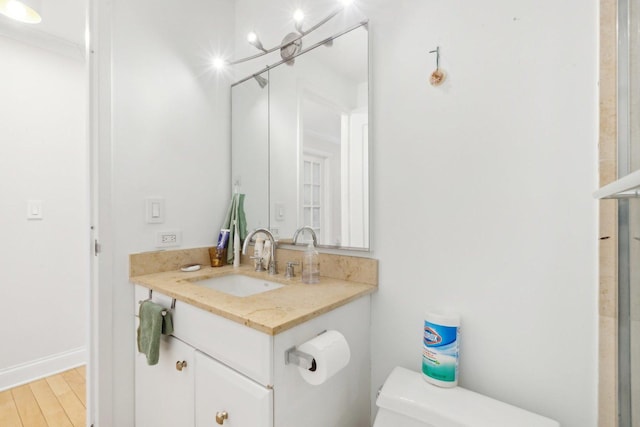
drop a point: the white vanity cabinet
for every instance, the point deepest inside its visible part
(223, 395)
(240, 372)
(189, 388)
(165, 392)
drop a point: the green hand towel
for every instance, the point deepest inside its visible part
(235, 216)
(152, 325)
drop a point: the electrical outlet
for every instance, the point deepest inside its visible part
(166, 239)
(34, 209)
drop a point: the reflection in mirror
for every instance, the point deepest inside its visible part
(319, 143)
(310, 147)
(250, 147)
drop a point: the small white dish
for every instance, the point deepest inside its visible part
(190, 267)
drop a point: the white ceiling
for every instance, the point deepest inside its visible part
(65, 19)
(61, 19)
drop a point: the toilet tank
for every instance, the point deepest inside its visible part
(407, 400)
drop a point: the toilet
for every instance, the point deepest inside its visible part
(406, 400)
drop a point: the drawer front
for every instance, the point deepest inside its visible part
(225, 397)
(240, 347)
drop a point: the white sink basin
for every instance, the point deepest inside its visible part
(238, 285)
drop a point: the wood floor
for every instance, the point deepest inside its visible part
(56, 401)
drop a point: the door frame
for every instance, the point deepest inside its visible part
(100, 364)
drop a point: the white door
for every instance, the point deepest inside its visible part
(225, 397)
(355, 180)
(164, 392)
(315, 205)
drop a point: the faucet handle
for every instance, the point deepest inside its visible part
(290, 269)
(258, 262)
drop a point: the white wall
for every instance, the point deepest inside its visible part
(43, 156)
(481, 189)
(170, 139)
(482, 194)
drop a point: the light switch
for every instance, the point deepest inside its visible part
(34, 209)
(279, 211)
(154, 210)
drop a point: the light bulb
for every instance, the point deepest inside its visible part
(298, 16)
(16, 10)
(218, 63)
(253, 40)
(346, 3)
(20, 11)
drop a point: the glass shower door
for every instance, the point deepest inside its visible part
(629, 326)
(629, 157)
(629, 214)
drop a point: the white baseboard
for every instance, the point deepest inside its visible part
(40, 368)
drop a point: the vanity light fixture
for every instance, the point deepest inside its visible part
(298, 18)
(261, 81)
(253, 40)
(218, 63)
(290, 46)
(26, 11)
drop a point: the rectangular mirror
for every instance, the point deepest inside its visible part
(311, 147)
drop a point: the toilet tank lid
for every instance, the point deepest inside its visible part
(405, 392)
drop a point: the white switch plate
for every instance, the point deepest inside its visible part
(166, 239)
(279, 211)
(154, 212)
(34, 209)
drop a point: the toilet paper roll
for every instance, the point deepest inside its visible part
(331, 353)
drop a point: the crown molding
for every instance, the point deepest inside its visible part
(27, 34)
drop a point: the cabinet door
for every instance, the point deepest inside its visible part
(164, 394)
(220, 390)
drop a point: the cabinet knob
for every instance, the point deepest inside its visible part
(181, 365)
(221, 416)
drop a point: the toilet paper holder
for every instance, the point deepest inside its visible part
(299, 358)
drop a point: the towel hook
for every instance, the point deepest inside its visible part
(438, 76)
(437, 52)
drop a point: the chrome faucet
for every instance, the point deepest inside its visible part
(300, 230)
(273, 267)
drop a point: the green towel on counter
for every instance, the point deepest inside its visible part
(152, 325)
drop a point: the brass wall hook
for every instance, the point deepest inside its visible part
(438, 76)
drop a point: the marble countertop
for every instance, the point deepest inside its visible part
(270, 312)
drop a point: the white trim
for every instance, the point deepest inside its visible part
(40, 39)
(40, 368)
(100, 372)
(326, 137)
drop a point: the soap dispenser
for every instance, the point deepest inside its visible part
(311, 265)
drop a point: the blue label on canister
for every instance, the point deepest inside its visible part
(440, 352)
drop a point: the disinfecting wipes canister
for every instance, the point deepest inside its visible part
(440, 349)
